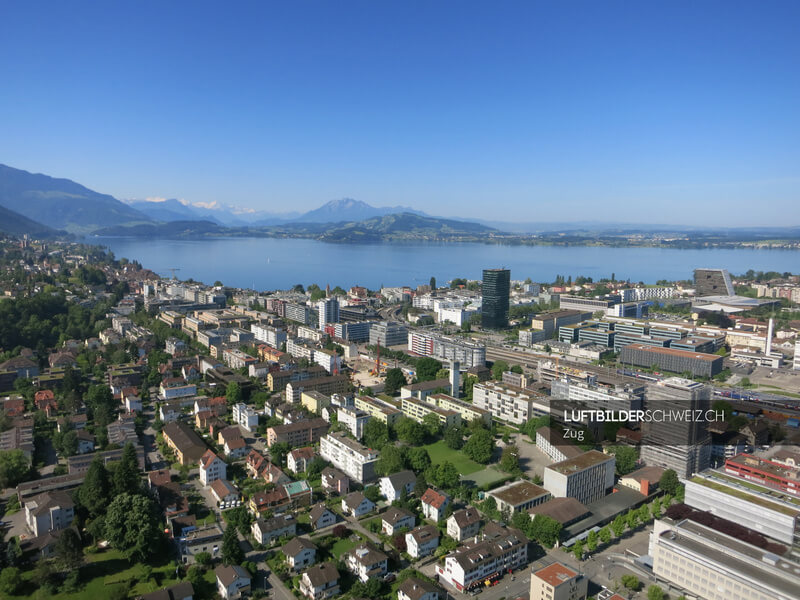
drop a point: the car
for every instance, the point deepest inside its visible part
(389, 577)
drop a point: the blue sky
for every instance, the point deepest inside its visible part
(671, 112)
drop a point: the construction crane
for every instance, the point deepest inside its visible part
(173, 271)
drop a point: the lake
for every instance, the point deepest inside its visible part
(269, 263)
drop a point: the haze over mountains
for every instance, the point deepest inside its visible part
(41, 203)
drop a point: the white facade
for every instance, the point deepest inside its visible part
(354, 419)
(587, 477)
(422, 541)
(508, 403)
(466, 352)
(353, 459)
(212, 468)
(245, 416)
(271, 336)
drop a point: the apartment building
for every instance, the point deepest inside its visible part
(414, 409)
(354, 420)
(553, 444)
(464, 524)
(245, 416)
(354, 459)
(422, 541)
(272, 336)
(49, 511)
(366, 562)
(315, 401)
(334, 384)
(587, 477)
(300, 433)
(468, 412)
(509, 403)
(387, 334)
(320, 581)
(183, 440)
(558, 582)
(212, 467)
(499, 550)
(379, 409)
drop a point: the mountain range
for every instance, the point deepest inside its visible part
(46, 205)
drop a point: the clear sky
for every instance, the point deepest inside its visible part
(668, 112)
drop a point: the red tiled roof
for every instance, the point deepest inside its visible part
(433, 498)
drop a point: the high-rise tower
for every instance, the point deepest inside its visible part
(496, 289)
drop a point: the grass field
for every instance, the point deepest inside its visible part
(439, 452)
(105, 571)
(342, 546)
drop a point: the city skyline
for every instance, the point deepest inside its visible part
(519, 112)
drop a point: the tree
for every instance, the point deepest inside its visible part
(443, 475)
(480, 446)
(432, 424)
(669, 482)
(577, 549)
(408, 430)
(498, 367)
(517, 369)
(394, 381)
(372, 493)
(203, 558)
(95, 491)
(126, 476)
(69, 550)
(376, 434)
(427, 368)
(14, 468)
(654, 592)
(232, 553)
(626, 458)
(521, 520)
(10, 580)
(233, 394)
(605, 535)
(631, 582)
(618, 525)
(418, 459)
(591, 541)
(632, 519)
(391, 460)
(421, 485)
(132, 526)
(454, 437)
(13, 552)
(278, 452)
(509, 461)
(545, 530)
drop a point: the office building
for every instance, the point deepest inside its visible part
(712, 565)
(494, 298)
(683, 445)
(713, 282)
(519, 496)
(328, 310)
(774, 515)
(467, 353)
(388, 333)
(551, 322)
(668, 359)
(588, 477)
(777, 476)
(583, 303)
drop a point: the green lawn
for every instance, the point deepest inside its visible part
(342, 546)
(439, 452)
(103, 572)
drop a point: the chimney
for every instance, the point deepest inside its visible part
(455, 375)
(768, 347)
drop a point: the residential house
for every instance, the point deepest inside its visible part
(357, 504)
(300, 553)
(45, 400)
(321, 516)
(434, 504)
(320, 581)
(170, 411)
(414, 588)
(422, 541)
(298, 459)
(255, 464)
(85, 441)
(464, 524)
(274, 474)
(179, 591)
(397, 518)
(76, 422)
(235, 447)
(202, 539)
(393, 486)
(49, 511)
(212, 467)
(267, 531)
(366, 562)
(224, 491)
(232, 581)
(335, 482)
